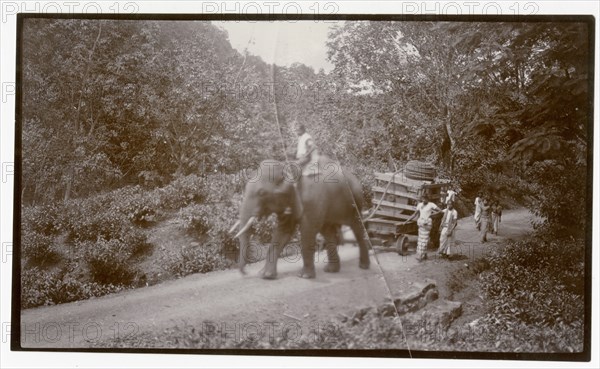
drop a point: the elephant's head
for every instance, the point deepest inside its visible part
(268, 190)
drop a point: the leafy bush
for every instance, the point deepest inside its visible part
(104, 230)
(43, 219)
(139, 206)
(40, 288)
(38, 248)
(561, 201)
(85, 222)
(110, 215)
(195, 258)
(108, 261)
(537, 281)
(181, 192)
(195, 219)
(221, 187)
(90, 219)
(534, 298)
(212, 219)
(136, 241)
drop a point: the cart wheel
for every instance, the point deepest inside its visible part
(402, 245)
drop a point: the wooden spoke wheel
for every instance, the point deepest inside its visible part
(402, 245)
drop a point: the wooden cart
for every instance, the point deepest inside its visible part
(395, 199)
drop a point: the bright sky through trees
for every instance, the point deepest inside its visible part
(283, 42)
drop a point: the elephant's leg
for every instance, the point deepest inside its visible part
(308, 239)
(363, 243)
(281, 236)
(330, 233)
(339, 234)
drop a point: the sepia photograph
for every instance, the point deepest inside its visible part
(359, 185)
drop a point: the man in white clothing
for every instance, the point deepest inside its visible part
(425, 210)
(305, 144)
(477, 215)
(449, 221)
(450, 195)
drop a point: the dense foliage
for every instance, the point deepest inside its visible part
(537, 282)
(127, 125)
(40, 287)
(486, 100)
(91, 246)
(122, 102)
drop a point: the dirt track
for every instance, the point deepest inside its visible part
(227, 297)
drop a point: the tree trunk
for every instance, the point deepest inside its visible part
(447, 146)
(78, 126)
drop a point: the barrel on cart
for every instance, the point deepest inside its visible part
(395, 199)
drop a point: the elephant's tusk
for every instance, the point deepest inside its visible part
(234, 226)
(246, 227)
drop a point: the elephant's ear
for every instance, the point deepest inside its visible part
(296, 203)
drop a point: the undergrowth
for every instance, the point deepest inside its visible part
(104, 235)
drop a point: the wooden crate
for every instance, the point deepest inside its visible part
(381, 226)
(403, 190)
(391, 228)
(405, 187)
(395, 198)
(398, 211)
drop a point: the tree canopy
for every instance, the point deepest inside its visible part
(500, 106)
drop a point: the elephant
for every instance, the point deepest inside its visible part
(320, 197)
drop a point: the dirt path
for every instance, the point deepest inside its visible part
(233, 301)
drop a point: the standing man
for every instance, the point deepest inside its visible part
(449, 221)
(425, 210)
(450, 196)
(496, 217)
(477, 215)
(484, 219)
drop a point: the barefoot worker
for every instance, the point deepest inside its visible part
(425, 210)
(449, 221)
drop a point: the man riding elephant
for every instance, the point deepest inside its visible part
(305, 145)
(319, 200)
